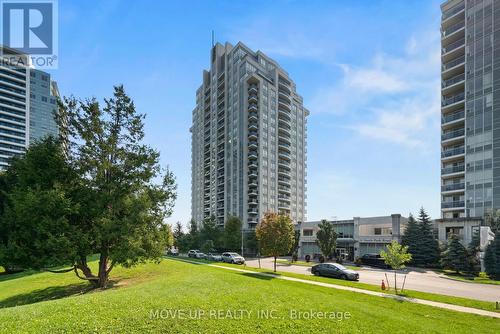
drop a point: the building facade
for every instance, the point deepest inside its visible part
(355, 237)
(28, 100)
(14, 105)
(470, 182)
(43, 104)
(248, 139)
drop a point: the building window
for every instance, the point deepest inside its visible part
(378, 231)
(307, 233)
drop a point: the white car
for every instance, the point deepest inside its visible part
(200, 255)
(233, 258)
(193, 252)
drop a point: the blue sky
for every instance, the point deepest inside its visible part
(368, 71)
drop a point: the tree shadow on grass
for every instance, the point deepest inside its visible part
(8, 276)
(50, 293)
(267, 276)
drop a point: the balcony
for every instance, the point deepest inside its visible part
(448, 118)
(253, 127)
(283, 172)
(252, 144)
(453, 46)
(284, 180)
(253, 99)
(447, 101)
(252, 155)
(452, 63)
(252, 192)
(453, 11)
(285, 87)
(253, 117)
(453, 187)
(452, 170)
(252, 90)
(452, 81)
(252, 135)
(252, 211)
(453, 28)
(454, 204)
(252, 107)
(452, 134)
(452, 152)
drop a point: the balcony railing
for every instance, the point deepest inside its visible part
(452, 117)
(454, 10)
(452, 169)
(451, 29)
(452, 152)
(453, 99)
(454, 80)
(452, 134)
(453, 46)
(453, 63)
(454, 186)
(455, 204)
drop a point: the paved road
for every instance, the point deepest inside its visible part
(421, 280)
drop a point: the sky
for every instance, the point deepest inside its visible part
(368, 71)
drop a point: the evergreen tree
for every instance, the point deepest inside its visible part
(193, 237)
(210, 231)
(232, 234)
(411, 237)
(428, 247)
(473, 265)
(455, 257)
(178, 234)
(492, 258)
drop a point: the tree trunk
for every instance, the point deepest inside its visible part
(103, 273)
(395, 284)
(275, 264)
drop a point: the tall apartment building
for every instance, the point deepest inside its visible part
(27, 103)
(14, 105)
(43, 103)
(248, 139)
(470, 156)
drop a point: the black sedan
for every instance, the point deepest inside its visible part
(374, 260)
(334, 270)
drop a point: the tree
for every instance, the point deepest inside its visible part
(168, 236)
(193, 237)
(232, 234)
(492, 219)
(326, 238)
(110, 200)
(411, 238)
(178, 233)
(473, 249)
(492, 258)
(396, 256)
(296, 245)
(207, 247)
(36, 209)
(427, 252)
(210, 231)
(275, 234)
(455, 257)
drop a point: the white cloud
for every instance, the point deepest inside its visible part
(396, 97)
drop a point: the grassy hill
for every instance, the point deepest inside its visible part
(47, 303)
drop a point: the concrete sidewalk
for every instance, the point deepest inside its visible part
(357, 290)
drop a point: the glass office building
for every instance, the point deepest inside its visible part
(248, 139)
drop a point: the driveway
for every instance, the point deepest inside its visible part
(417, 279)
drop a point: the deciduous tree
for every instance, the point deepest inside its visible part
(396, 256)
(275, 234)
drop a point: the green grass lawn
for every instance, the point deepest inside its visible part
(469, 279)
(49, 303)
(310, 264)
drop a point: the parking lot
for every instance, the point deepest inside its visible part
(417, 279)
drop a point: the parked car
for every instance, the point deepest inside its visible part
(233, 258)
(334, 270)
(214, 257)
(173, 251)
(193, 252)
(200, 255)
(374, 260)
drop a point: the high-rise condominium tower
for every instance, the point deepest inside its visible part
(248, 139)
(27, 105)
(470, 89)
